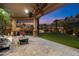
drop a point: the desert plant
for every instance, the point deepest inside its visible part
(4, 19)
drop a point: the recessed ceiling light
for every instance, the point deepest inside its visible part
(26, 11)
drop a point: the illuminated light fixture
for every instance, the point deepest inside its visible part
(26, 11)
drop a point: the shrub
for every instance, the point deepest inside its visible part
(69, 31)
(77, 32)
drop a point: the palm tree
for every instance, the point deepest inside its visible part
(56, 25)
(45, 27)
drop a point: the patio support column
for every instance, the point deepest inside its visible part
(35, 30)
(13, 26)
(38, 26)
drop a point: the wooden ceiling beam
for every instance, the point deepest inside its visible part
(50, 7)
(53, 7)
(22, 18)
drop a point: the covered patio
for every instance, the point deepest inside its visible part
(29, 14)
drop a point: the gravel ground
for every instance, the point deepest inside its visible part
(40, 47)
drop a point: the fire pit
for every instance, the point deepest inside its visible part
(23, 40)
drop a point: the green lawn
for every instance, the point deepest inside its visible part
(65, 39)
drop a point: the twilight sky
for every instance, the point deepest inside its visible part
(68, 10)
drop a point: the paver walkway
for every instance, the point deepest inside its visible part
(41, 47)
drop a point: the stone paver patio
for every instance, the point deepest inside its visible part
(41, 47)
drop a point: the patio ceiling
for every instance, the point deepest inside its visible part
(17, 9)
